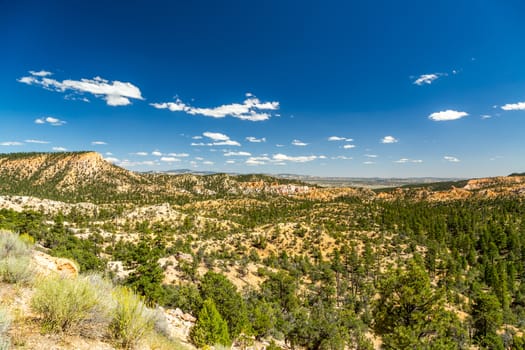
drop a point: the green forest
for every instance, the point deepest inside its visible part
(435, 275)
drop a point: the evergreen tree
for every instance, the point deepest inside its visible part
(210, 328)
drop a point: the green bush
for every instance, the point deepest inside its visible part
(132, 320)
(5, 323)
(69, 305)
(15, 269)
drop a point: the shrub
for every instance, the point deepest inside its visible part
(5, 322)
(12, 246)
(15, 269)
(69, 305)
(132, 320)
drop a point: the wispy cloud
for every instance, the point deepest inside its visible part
(112, 160)
(255, 139)
(50, 120)
(251, 109)
(237, 154)
(42, 73)
(98, 143)
(218, 139)
(349, 146)
(427, 79)
(299, 159)
(115, 93)
(514, 106)
(156, 153)
(407, 160)
(486, 116)
(11, 143)
(342, 158)
(299, 143)
(179, 155)
(447, 115)
(369, 162)
(59, 149)
(169, 159)
(339, 138)
(371, 155)
(142, 154)
(451, 159)
(126, 163)
(37, 141)
(389, 139)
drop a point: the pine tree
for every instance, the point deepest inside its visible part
(210, 328)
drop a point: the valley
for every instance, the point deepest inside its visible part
(287, 264)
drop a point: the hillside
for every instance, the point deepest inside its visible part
(87, 177)
(286, 263)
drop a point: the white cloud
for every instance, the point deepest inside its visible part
(514, 106)
(142, 154)
(11, 143)
(299, 143)
(37, 141)
(447, 115)
(112, 159)
(300, 159)
(451, 159)
(208, 162)
(199, 158)
(179, 155)
(486, 116)
(98, 143)
(156, 153)
(348, 146)
(251, 109)
(368, 162)
(257, 160)
(230, 161)
(339, 138)
(42, 73)
(407, 160)
(371, 155)
(216, 136)
(198, 137)
(169, 159)
(342, 158)
(237, 154)
(109, 154)
(59, 149)
(256, 140)
(130, 164)
(116, 93)
(427, 78)
(218, 140)
(389, 139)
(50, 120)
(279, 145)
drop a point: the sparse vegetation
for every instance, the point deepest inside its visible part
(5, 323)
(70, 305)
(131, 319)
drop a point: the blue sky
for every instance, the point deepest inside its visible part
(331, 88)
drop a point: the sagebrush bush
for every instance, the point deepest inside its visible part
(132, 320)
(12, 246)
(5, 323)
(16, 269)
(70, 305)
(15, 264)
